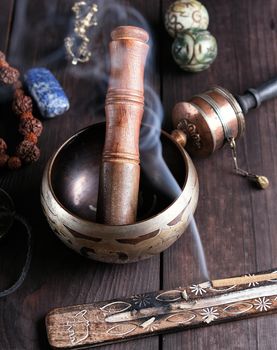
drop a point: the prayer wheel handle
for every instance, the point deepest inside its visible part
(253, 98)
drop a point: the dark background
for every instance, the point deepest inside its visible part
(236, 221)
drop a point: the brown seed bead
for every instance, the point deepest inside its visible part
(28, 152)
(26, 115)
(17, 85)
(3, 63)
(8, 75)
(31, 125)
(3, 146)
(3, 160)
(32, 138)
(18, 91)
(14, 163)
(22, 104)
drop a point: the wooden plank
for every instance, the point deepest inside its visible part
(58, 276)
(231, 215)
(6, 9)
(236, 221)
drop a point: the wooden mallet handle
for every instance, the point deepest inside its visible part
(120, 169)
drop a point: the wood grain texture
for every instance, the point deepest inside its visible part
(6, 9)
(120, 169)
(58, 276)
(237, 222)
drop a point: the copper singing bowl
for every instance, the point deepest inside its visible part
(69, 199)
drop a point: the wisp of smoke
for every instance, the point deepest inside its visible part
(110, 16)
(156, 169)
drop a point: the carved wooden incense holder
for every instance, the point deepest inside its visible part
(160, 312)
(120, 170)
(215, 118)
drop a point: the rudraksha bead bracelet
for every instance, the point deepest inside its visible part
(29, 127)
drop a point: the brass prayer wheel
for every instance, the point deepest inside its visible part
(208, 120)
(215, 118)
(212, 118)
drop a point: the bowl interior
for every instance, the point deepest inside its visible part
(75, 175)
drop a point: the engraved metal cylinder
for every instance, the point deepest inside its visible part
(209, 120)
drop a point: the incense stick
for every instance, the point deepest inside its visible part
(243, 280)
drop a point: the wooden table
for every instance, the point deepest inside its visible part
(236, 221)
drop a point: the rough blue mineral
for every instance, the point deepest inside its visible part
(47, 92)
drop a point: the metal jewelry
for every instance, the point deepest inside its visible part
(261, 181)
(77, 45)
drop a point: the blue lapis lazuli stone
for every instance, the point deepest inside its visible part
(47, 92)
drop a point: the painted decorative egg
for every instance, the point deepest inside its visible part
(194, 50)
(185, 14)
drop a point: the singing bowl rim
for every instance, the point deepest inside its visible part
(175, 208)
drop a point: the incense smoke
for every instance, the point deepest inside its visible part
(95, 76)
(155, 167)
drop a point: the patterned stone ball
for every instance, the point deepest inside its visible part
(194, 50)
(185, 14)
